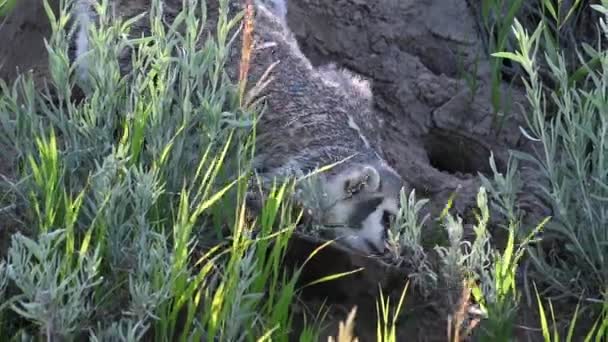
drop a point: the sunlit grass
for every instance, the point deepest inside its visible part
(135, 223)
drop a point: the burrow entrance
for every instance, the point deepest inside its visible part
(454, 153)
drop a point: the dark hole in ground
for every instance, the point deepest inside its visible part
(451, 152)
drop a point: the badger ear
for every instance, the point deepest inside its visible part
(276, 7)
(365, 178)
(352, 83)
(358, 84)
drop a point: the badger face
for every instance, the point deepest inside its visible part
(365, 202)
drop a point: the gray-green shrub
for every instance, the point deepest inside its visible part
(570, 154)
(128, 192)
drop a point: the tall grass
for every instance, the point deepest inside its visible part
(497, 17)
(597, 332)
(566, 123)
(387, 329)
(566, 24)
(6, 6)
(570, 154)
(126, 193)
(567, 126)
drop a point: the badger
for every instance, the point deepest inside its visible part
(312, 117)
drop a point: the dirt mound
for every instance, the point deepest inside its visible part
(438, 127)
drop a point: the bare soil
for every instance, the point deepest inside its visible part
(438, 131)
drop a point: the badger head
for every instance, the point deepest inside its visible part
(362, 202)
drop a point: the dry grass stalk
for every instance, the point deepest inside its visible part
(247, 47)
(460, 316)
(346, 329)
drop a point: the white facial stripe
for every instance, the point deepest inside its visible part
(373, 230)
(352, 124)
(391, 205)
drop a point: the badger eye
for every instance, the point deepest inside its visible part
(388, 219)
(352, 189)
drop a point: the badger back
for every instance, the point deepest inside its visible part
(312, 117)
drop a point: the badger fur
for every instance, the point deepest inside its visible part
(313, 117)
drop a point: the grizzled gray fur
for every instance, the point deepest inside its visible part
(313, 117)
